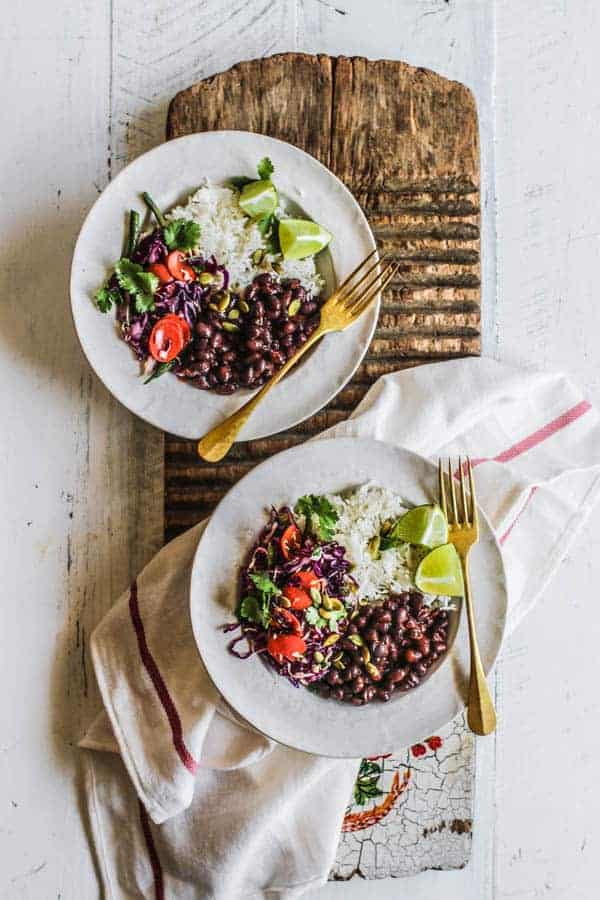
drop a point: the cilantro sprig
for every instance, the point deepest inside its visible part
(139, 284)
(265, 169)
(256, 607)
(181, 234)
(106, 297)
(321, 516)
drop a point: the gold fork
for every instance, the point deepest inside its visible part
(345, 305)
(463, 532)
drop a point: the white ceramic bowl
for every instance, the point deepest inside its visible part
(169, 173)
(296, 716)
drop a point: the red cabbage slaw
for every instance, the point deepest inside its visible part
(327, 561)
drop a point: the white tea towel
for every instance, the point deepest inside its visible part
(205, 807)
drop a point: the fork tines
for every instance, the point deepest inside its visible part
(462, 510)
(357, 295)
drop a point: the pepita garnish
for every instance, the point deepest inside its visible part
(318, 656)
(332, 639)
(325, 613)
(258, 256)
(233, 314)
(283, 601)
(206, 278)
(294, 307)
(356, 640)
(372, 670)
(223, 302)
(366, 655)
(339, 664)
(315, 596)
(243, 306)
(229, 326)
(214, 307)
(373, 546)
(327, 603)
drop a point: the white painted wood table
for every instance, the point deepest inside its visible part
(84, 89)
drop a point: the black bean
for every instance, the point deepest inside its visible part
(368, 693)
(338, 693)
(384, 695)
(379, 651)
(356, 671)
(424, 646)
(372, 635)
(203, 329)
(224, 374)
(358, 685)
(412, 656)
(333, 677)
(357, 701)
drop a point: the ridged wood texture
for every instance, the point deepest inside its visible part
(405, 141)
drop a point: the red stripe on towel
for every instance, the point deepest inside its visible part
(157, 680)
(159, 887)
(542, 434)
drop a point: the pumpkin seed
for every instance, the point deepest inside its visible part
(335, 604)
(206, 278)
(373, 546)
(315, 596)
(331, 640)
(229, 326)
(365, 654)
(233, 314)
(258, 256)
(283, 601)
(294, 307)
(373, 671)
(318, 656)
(277, 267)
(214, 307)
(243, 306)
(325, 613)
(338, 657)
(223, 301)
(327, 601)
(356, 640)
(339, 664)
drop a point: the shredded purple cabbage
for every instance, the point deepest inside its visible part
(150, 249)
(327, 560)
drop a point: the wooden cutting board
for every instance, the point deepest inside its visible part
(405, 141)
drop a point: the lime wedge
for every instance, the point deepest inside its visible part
(422, 525)
(300, 238)
(440, 572)
(258, 199)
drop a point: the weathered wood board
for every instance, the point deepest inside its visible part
(405, 141)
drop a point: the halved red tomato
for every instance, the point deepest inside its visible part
(308, 580)
(297, 596)
(178, 267)
(290, 541)
(161, 272)
(289, 618)
(168, 338)
(286, 646)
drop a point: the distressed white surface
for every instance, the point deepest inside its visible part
(84, 88)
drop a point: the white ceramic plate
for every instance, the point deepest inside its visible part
(169, 173)
(296, 716)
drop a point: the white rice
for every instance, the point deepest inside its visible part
(362, 512)
(232, 238)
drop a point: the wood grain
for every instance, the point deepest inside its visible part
(405, 141)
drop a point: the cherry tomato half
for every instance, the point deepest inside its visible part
(168, 338)
(290, 619)
(297, 597)
(286, 646)
(290, 541)
(308, 580)
(178, 267)
(161, 272)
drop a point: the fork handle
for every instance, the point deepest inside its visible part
(217, 442)
(481, 714)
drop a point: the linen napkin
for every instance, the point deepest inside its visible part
(186, 800)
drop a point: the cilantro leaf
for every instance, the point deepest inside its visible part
(141, 285)
(105, 297)
(265, 169)
(181, 234)
(249, 609)
(321, 516)
(265, 585)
